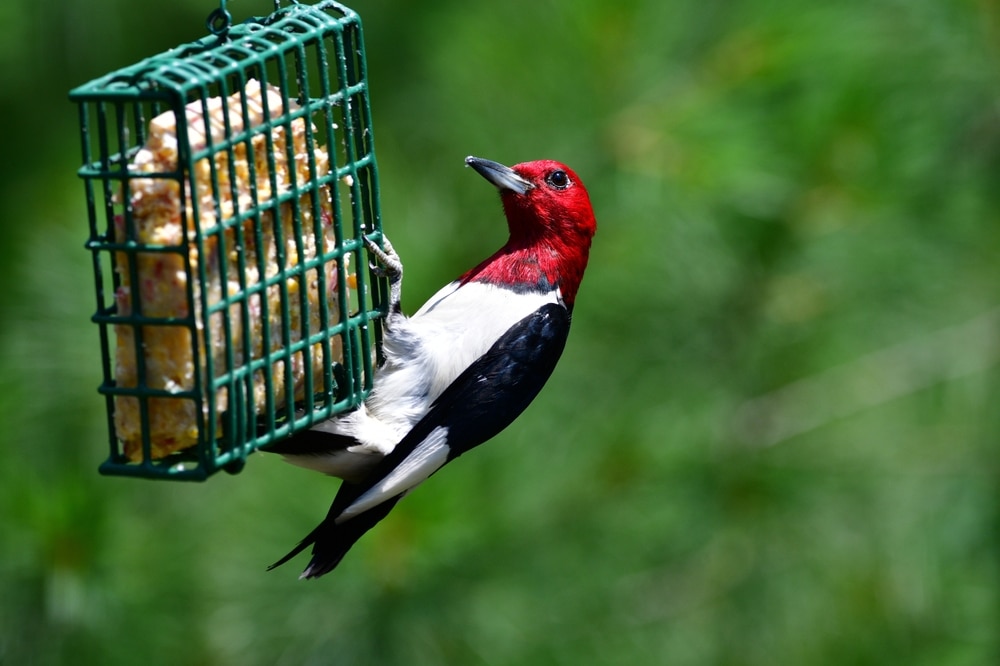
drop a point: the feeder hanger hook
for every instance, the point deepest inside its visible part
(220, 20)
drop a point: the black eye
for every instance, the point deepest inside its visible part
(558, 179)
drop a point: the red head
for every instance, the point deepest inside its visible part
(551, 224)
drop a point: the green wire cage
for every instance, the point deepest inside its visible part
(229, 184)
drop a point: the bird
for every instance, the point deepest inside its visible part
(463, 367)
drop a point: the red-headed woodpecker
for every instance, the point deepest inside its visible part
(463, 367)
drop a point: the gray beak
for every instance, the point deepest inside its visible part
(501, 176)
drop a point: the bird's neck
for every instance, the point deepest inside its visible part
(535, 265)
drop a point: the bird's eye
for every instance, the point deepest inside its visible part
(558, 179)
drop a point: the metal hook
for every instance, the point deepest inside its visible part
(219, 21)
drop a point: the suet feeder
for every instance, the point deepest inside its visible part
(229, 184)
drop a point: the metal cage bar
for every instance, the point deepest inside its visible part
(254, 224)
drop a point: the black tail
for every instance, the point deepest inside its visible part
(331, 540)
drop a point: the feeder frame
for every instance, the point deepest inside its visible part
(295, 49)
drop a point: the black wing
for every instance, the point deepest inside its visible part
(310, 443)
(480, 403)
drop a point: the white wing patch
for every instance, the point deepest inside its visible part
(427, 458)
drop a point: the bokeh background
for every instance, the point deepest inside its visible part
(773, 438)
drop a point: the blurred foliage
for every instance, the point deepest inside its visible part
(773, 436)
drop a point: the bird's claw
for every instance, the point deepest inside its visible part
(389, 264)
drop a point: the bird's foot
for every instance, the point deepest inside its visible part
(389, 266)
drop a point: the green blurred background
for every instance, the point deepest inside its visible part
(772, 438)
